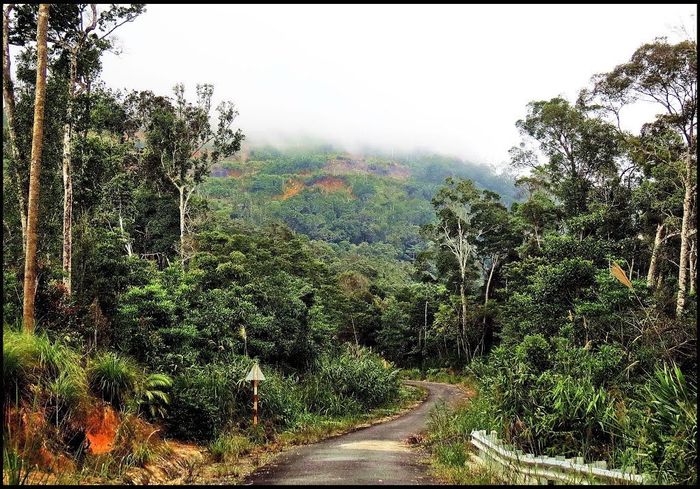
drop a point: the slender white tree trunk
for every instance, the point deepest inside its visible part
(68, 176)
(685, 238)
(127, 244)
(8, 95)
(494, 262)
(182, 207)
(651, 275)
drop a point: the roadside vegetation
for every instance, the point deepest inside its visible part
(71, 419)
(584, 343)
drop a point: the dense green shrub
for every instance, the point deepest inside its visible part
(206, 400)
(280, 399)
(113, 377)
(143, 312)
(151, 394)
(355, 380)
(447, 424)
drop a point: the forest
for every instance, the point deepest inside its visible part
(151, 255)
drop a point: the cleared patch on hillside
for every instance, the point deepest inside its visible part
(325, 184)
(359, 165)
(291, 188)
(332, 184)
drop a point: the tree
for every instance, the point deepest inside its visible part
(83, 50)
(496, 238)
(581, 150)
(539, 212)
(37, 135)
(8, 96)
(453, 204)
(78, 36)
(666, 75)
(181, 138)
(659, 195)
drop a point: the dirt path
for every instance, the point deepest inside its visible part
(374, 455)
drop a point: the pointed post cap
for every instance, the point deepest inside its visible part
(255, 373)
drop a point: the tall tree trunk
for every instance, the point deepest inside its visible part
(68, 175)
(127, 242)
(464, 318)
(354, 332)
(494, 262)
(425, 332)
(683, 258)
(8, 95)
(182, 208)
(692, 259)
(34, 169)
(651, 275)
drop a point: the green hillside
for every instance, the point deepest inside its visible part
(335, 196)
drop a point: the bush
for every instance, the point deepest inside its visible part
(355, 380)
(68, 391)
(534, 352)
(151, 394)
(206, 400)
(457, 423)
(280, 399)
(142, 313)
(113, 378)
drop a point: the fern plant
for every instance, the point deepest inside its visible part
(151, 395)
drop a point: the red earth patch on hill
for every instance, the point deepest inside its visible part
(291, 188)
(332, 184)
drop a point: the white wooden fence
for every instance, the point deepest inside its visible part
(524, 468)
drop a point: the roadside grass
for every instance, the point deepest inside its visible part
(448, 434)
(468, 474)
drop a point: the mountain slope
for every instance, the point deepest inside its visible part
(337, 197)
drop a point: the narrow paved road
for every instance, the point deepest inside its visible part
(374, 455)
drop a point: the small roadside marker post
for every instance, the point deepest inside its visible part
(256, 376)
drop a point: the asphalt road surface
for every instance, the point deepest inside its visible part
(373, 455)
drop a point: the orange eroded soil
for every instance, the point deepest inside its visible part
(332, 184)
(101, 429)
(291, 188)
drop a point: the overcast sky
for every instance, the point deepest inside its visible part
(449, 78)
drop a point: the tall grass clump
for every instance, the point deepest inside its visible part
(15, 468)
(281, 399)
(354, 381)
(33, 359)
(672, 425)
(113, 378)
(449, 435)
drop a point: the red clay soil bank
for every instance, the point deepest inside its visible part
(101, 430)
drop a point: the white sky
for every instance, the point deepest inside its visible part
(449, 78)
